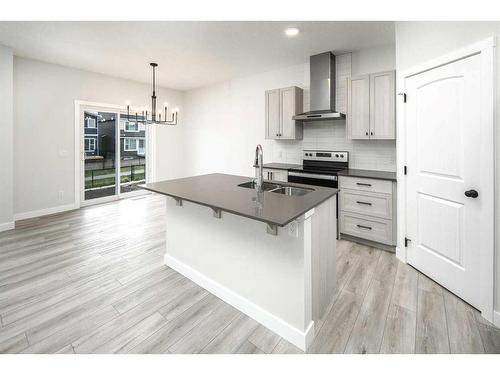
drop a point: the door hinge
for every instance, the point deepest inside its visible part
(405, 170)
(406, 241)
(404, 96)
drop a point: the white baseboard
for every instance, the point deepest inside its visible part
(496, 318)
(6, 226)
(298, 338)
(401, 254)
(45, 211)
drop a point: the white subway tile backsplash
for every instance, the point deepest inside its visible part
(378, 155)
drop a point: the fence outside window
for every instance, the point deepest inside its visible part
(99, 178)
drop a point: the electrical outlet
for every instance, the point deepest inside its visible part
(61, 195)
(293, 229)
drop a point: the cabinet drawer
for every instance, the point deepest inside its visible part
(371, 204)
(378, 230)
(366, 184)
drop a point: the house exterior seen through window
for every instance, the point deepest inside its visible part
(131, 126)
(130, 144)
(90, 144)
(90, 122)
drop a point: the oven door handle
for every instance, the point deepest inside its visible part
(314, 176)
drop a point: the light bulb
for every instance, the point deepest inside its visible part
(292, 31)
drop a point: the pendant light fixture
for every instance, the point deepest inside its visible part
(155, 117)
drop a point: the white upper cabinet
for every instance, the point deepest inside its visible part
(272, 113)
(358, 107)
(281, 106)
(382, 105)
(371, 106)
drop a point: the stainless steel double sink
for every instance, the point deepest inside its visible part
(278, 188)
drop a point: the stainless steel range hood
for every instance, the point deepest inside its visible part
(322, 92)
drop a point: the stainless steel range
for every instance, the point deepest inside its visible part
(320, 167)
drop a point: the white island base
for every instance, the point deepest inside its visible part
(286, 281)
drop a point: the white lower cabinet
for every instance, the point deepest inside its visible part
(371, 204)
(362, 226)
(366, 209)
(275, 174)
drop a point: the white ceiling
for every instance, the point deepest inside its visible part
(189, 54)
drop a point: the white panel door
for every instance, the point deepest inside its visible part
(382, 105)
(358, 107)
(443, 158)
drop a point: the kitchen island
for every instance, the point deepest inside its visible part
(270, 253)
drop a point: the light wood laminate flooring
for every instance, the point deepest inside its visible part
(93, 281)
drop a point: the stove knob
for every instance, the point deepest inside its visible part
(336, 155)
(342, 155)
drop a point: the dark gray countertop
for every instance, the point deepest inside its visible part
(283, 166)
(221, 191)
(366, 173)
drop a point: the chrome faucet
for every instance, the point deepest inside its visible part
(258, 165)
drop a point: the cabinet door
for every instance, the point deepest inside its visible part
(275, 174)
(273, 114)
(382, 105)
(280, 175)
(358, 107)
(287, 97)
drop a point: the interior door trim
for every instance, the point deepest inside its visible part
(489, 236)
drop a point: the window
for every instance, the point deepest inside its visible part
(89, 144)
(141, 150)
(131, 126)
(130, 144)
(90, 122)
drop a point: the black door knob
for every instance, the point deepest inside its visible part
(471, 193)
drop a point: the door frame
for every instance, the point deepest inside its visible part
(80, 106)
(486, 50)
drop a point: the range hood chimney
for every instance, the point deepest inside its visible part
(322, 91)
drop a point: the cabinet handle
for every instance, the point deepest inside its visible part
(366, 133)
(277, 135)
(271, 177)
(365, 203)
(371, 133)
(363, 184)
(364, 227)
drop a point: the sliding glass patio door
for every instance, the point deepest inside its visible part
(132, 153)
(114, 154)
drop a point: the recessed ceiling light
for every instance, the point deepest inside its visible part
(292, 31)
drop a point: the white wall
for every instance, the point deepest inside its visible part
(224, 122)
(371, 60)
(417, 42)
(6, 137)
(44, 96)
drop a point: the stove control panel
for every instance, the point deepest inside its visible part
(325, 155)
